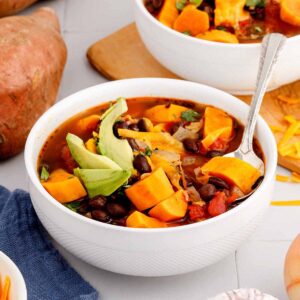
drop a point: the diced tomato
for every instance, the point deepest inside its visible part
(196, 212)
(217, 205)
(68, 159)
(232, 198)
(219, 144)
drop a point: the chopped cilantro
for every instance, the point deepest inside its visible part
(196, 2)
(256, 3)
(186, 33)
(221, 28)
(257, 29)
(180, 4)
(148, 151)
(73, 205)
(44, 174)
(190, 115)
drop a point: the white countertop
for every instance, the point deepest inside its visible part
(257, 263)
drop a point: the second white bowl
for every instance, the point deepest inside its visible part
(230, 67)
(17, 287)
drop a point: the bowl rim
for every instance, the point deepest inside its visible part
(17, 275)
(140, 5)
(31, 167)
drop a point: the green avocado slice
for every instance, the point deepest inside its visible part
(116, 149)
(85, 158)
(102, 181)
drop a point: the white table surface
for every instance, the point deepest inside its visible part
(257, 263)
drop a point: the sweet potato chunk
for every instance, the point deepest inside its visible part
(168, 13)
(91, 145)
(139, 220)
(230, 12)
(172, 208)
(64, 187)
(290, 12)
(215, 119)
(217, 125)
(150, 191)
(232, 170)
(220, 36)
(165, 113)
(87, 124)
(192, 20)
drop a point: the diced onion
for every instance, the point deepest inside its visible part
(183, 133)
(188, 160)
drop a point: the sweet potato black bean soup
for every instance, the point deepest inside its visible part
(147, 163)
(228, 21)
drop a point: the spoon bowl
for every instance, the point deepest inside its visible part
(271, 46)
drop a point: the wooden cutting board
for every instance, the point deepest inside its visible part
(123, 55)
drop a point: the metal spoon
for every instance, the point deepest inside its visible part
(271, 46)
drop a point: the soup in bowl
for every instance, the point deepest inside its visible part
(153, 200)
(222, 46)
(148, 163)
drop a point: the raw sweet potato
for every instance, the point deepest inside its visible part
(10, 7)
(32, 56)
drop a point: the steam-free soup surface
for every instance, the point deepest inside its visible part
(169, 170)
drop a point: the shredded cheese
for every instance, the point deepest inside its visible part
(290, 119)
(289, 100)
(295, 177)
(286, 203)
(282, 178)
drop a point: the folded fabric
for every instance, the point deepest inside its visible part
(22, 237)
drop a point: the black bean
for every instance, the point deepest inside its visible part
(157, 3)
(134, 127)
(97, 202)
(100, 215)
(142, 125)
(215, 153)
(117, 209)
(150, 8)
(207, 191)
(191, 145)
(83, 208)
(133, 144)
(119, 125)
(218, 182)
(141, 164)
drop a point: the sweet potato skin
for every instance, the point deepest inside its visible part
(10, 7)
(33, 56)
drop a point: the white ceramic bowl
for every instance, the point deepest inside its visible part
(147, 252)
(230, 67)
(8, 268)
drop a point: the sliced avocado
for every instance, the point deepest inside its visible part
(116, 149)
(102, 181)
(85, 158)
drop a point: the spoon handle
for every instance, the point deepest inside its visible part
(271, 46)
